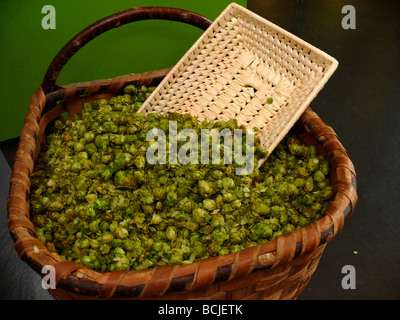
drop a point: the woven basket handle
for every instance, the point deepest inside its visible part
(115, 21)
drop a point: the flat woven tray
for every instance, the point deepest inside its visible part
(244, 67)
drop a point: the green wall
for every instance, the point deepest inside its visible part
(27, 49)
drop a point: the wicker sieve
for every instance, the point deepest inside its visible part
(244, 67)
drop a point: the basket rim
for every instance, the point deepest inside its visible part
(163, 279)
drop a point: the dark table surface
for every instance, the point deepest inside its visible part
(361, 102)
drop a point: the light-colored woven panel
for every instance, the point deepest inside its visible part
(245, 68)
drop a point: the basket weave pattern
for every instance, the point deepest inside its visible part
(279, 269)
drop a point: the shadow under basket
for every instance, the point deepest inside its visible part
(278, 269)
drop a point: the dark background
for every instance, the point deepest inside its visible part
(361, 102)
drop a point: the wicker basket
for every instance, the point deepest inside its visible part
(279, 269)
